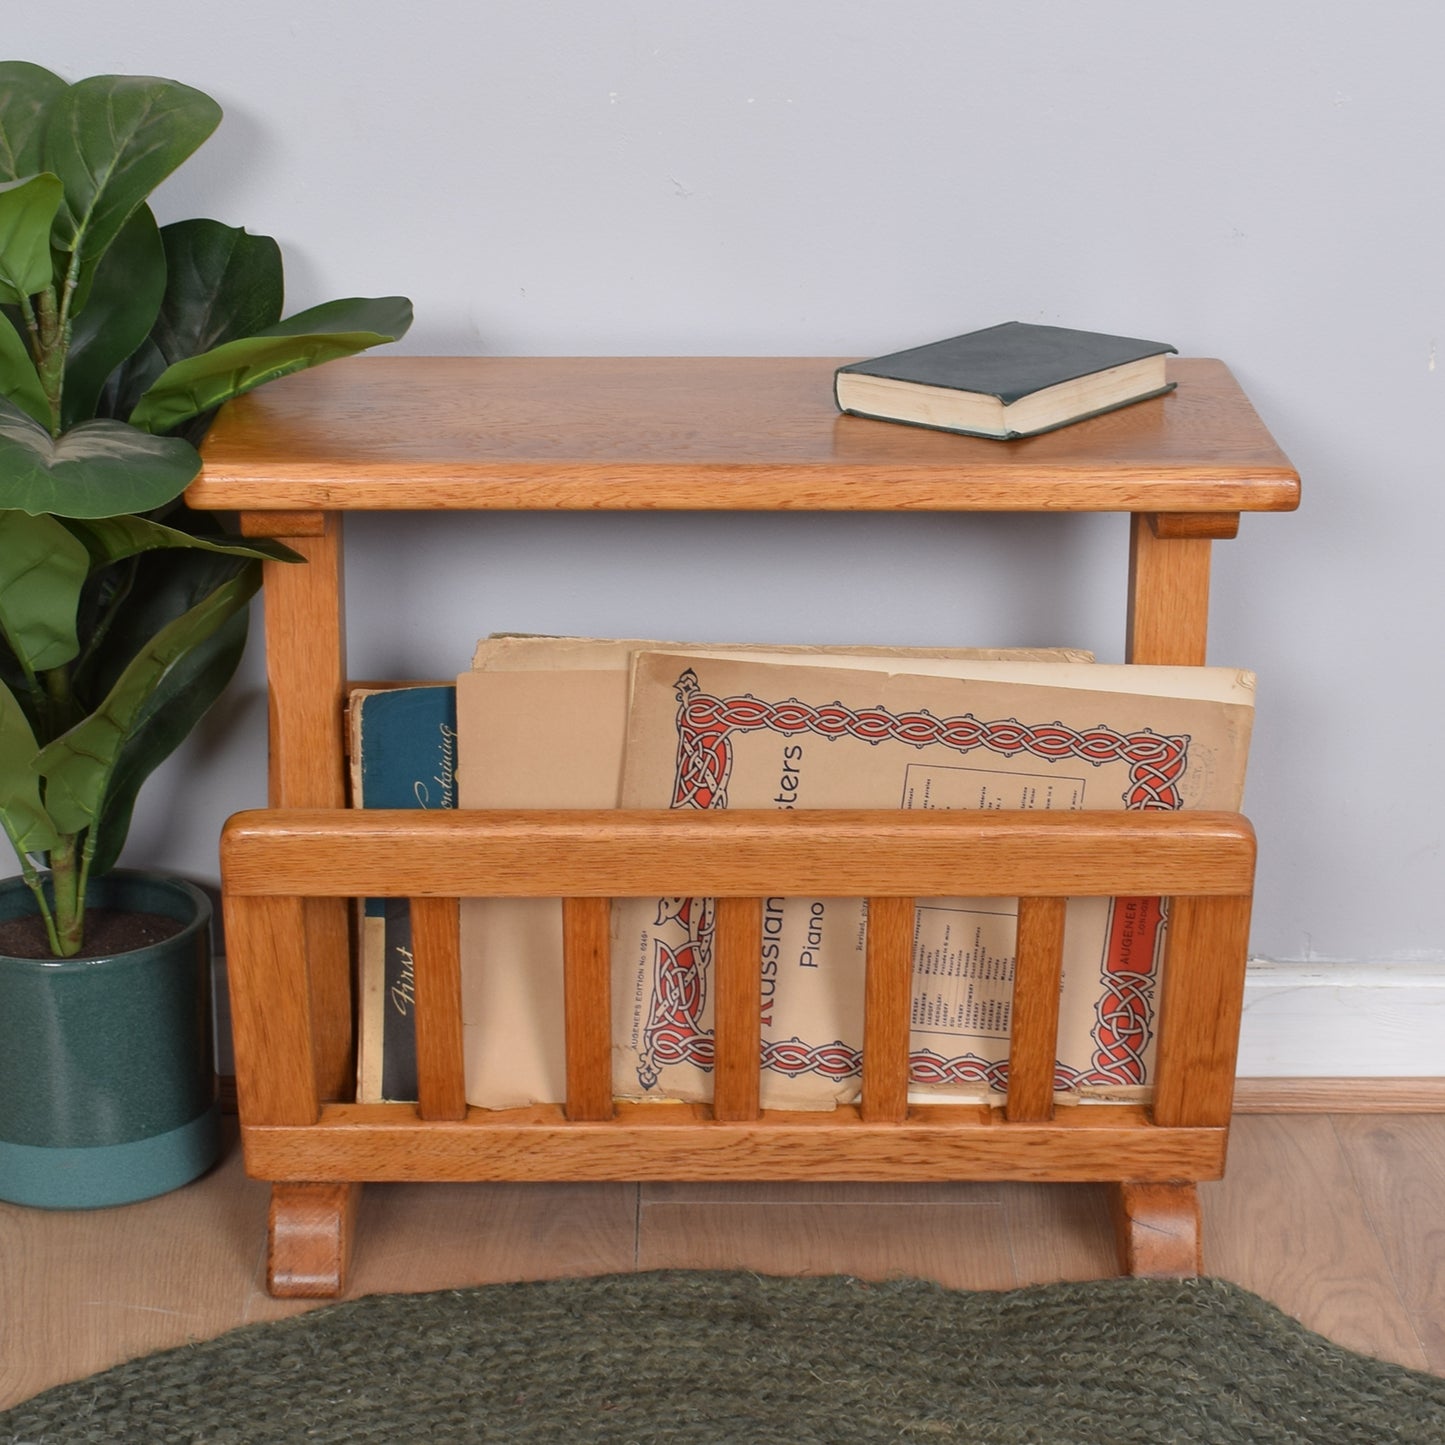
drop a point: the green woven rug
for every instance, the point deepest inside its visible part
(694, 1358)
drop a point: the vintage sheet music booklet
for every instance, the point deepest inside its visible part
(548, 722)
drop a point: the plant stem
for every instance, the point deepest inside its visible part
(59, 699)
(36, 885)
(32, 325)
(67, 877)
(53, 339)
(69, 867)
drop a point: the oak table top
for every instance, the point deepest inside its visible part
(707, 433)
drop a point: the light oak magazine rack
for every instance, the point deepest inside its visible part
(708, 434)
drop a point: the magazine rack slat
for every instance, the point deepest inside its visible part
(437, 1016)
(887, 999)
(737, 1014)
(587, 1006)
(1034, 1019)
(707, 434)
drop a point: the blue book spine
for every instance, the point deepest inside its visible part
(406, 741)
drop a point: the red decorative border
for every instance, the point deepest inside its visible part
(704, 724)
(1123, 1016)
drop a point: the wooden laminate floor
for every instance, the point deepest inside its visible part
(1338, 1219)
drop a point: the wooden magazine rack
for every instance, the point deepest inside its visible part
(707, 434)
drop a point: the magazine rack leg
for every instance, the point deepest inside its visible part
(1157, 1227)
(311, 1230)
(306, 680)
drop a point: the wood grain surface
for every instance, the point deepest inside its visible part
(710, 433)
(738, 852)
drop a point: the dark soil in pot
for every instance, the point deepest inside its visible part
(108, 931)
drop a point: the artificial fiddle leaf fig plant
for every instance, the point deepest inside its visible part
(122, 613)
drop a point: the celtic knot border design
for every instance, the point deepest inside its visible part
(1157, 762)
(1123, 1015)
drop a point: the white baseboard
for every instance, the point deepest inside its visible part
(1340, 1020)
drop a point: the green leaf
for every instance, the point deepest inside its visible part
(78, 765)
(222, 284)
(339, 328)
(388, 316)
(156, 588)
(28, 826)
(125, 298)
(19, 381)
(182, 699)
(126, 384)
(26, 92)
(42, 570)
(112, 539)
(97, 469)
(27, 212)
(112, 139)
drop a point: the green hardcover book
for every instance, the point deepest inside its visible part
(403, 755)
(1008, 381)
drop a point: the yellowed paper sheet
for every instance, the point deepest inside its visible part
(527, 740)
(711, 732)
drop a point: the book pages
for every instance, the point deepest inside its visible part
(515, 651)
(542, 723)
(730, 731)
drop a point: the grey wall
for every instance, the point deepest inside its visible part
(1250, 180)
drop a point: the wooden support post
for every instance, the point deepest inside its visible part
(1168, 595)
(305, 658)
(1157, 1226)
(1201, 999)
(302, 604)
(271, 1011)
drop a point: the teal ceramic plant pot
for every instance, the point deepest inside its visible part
(107, 1076)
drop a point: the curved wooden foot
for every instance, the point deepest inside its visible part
(1158, 1230)
(311, 1228)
